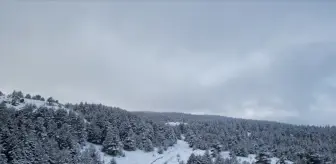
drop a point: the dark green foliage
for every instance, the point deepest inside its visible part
(192, 159)
(2, 105)
(198, 159)
(113, 161)
(34, 137)
(134, 132)
(38, 97)
(28, 96)
(219, 160)
(282, 160)
(50, 100)
(263, 158)
(245, 137)
(3, 158)
(112, 144)
(129, 141)
(148, 146)
(206, 158)
(16, 94)
(94, 133)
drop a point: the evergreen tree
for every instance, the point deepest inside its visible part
(50, 100)
(2, 105)
(242, 152)
(28, 96)
(206, 158)
(129, 142)
(3, 158)
(37, 97)
(147, 144)
(219, 160)
(192, 159)
(263, 158)
(282, 160)
(94, 133)
(111, 144)
(16, 94)
(113, 161)
(314, 158)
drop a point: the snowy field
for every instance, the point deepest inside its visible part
(175, 123)
(179, 152)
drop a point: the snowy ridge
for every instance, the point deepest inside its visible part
(37, 103)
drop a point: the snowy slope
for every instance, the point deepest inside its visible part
(37, 103)
(140, 157)
(173, 155)
(179, 152)
(175, 123)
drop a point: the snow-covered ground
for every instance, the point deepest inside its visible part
(179, 152)
(37, 103)
(174, 123)
(170, 156)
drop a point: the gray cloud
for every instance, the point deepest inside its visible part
(270, 61)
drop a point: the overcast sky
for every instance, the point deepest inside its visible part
(272, 61)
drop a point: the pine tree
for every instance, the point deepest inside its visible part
(37, 97)
(192, 159)
(219, 160)
(113, 161)
(94, 133)
(15, 101)
(129, 142)
(217, 148)
(206, 158)
(78, 127)
(314, 158)
(111, 144)
(263, 158)
(3, 105)
(64, 138)
(242, 152)
(50, 100)
(28, 96)
(147, 144)
(282, 160)
(17, 94)
(3, 158)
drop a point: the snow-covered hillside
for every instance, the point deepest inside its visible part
(24, 101)
(173, 155)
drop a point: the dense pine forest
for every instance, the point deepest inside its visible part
(55, 133)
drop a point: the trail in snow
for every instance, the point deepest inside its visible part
(156, 160)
